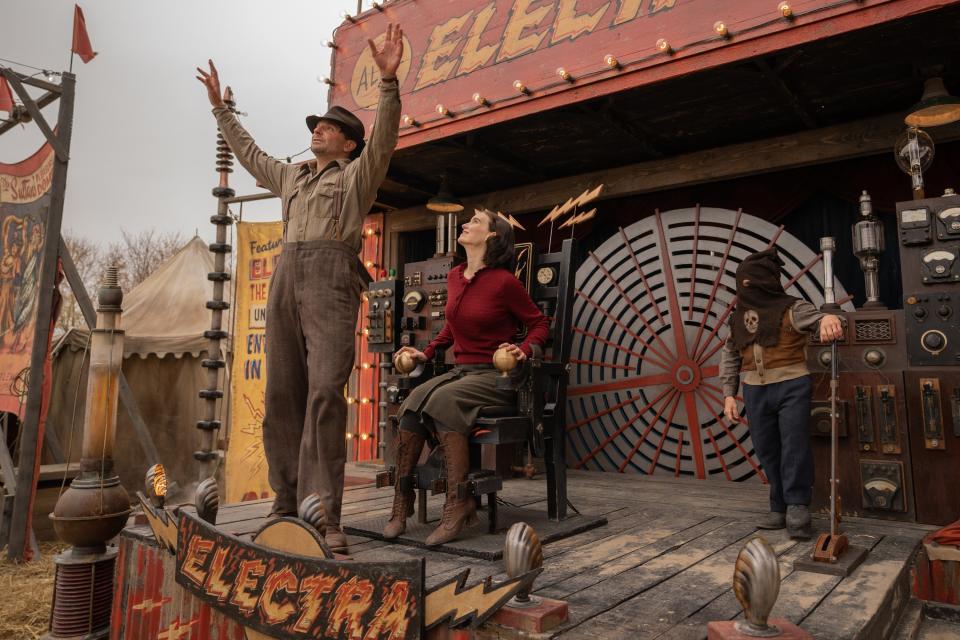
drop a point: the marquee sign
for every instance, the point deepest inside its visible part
(469, 63)
(284, 583)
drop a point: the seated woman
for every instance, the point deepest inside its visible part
(485, 305)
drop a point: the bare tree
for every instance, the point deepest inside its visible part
(136, 256)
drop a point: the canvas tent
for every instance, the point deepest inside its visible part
(164, 318)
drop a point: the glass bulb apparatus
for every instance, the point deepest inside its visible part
(868, 246)
(914, 152)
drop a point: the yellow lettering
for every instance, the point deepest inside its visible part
(570, 24)
(391, 618)
(196, 557)
(215, 585)
(474, 55)
(353, 599)
(437, 64)
(274, 612)
(246, 580)
(629, 9)
(660, 5)
(313, 589)
(515, 42)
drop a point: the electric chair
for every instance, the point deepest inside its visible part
(537, 419)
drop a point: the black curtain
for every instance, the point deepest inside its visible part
(825, 214)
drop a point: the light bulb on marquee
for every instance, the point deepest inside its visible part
(785, 10)
(327, 80)
(443, 111)
(611, 61)
(663, 46)
(410, 121)
(480, 100)
(720, 28)
(564, 74)
(346, 16)
(522, 88)
(330, 44)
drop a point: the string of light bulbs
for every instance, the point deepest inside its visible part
(611, 63)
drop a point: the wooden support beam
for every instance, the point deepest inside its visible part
(786, 94)
(42, 102)
(827, 144)
(29, 464)
(34, 111)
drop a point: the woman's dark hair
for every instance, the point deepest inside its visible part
(499, 251)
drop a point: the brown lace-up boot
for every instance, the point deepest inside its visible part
(409, 446)
(457, 511)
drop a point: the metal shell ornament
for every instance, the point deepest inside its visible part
(522, 553)
(756, 583)
(208, 500)
(155, 483)
(311, 511)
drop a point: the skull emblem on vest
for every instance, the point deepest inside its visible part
(751, 320)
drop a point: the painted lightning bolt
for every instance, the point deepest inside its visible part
(474, 604)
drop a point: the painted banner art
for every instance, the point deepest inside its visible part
(257, 249)
(24, 203)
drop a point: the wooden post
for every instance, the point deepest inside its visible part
(30, 437)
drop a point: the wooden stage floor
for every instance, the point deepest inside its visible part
(662, 567)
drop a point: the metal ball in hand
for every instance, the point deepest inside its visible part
(504, 361)
(404, 362)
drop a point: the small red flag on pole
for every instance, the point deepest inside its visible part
(6, 98)
(81, 41)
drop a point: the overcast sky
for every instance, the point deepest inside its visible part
(142, 154)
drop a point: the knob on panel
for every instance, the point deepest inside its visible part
(933, 341)
(874, 357)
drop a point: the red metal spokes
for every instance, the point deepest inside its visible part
(652, 303)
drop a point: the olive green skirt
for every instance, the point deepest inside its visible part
(455, 398)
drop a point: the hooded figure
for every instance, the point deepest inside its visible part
(761, 300)
(767, 346)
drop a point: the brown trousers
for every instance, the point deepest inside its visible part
(311, 333)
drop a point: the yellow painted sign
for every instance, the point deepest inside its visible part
(257, 250)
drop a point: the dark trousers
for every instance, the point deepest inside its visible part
(311, 333)
(779, 415)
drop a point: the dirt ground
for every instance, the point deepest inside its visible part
(26, 591)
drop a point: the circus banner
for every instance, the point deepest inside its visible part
(257, 250)
(24, 205)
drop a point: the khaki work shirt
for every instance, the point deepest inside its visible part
(308, 195)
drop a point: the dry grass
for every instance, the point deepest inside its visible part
(26, 591)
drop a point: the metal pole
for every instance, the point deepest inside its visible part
(834, 437)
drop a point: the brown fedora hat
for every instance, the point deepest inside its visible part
(348, 123)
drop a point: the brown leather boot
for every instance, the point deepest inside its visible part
(409, 446)
(457, 512)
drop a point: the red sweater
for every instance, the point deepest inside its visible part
(484, 312)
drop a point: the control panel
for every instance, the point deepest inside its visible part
(929, 233)
(383, 299)
(424, 301)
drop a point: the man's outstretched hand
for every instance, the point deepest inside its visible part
(388, 56)
(211, 80)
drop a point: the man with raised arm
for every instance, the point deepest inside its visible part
(315, 290)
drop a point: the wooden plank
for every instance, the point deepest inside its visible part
(864, 605)
(817, 146)
(611, 585)
(670, 602)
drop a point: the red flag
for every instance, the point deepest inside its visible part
(81, 41)
(6, 98)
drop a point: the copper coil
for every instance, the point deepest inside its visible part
(82, 598)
